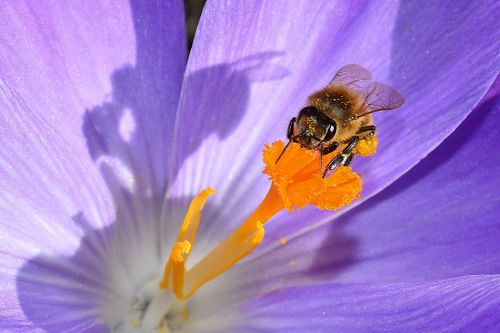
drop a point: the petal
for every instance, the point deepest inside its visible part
(464, 304)
(252, 67)
(49, 201)
(112, 71)
(438, 221)
(64, 227)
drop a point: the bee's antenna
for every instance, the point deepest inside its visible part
(283, 151)
(291, 139)
(321, 155)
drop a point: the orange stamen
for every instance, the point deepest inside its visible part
(296, 182)
(175, 266)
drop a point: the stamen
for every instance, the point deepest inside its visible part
(175, 267)
(296, 182)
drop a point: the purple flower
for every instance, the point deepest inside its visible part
(107, 135)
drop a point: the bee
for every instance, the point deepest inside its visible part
(340, 115)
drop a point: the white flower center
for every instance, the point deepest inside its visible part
(153, 310)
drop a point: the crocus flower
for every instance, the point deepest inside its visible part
(107, 136)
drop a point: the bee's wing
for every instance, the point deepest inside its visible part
(377, 96)
(380, 96)
(351, 75)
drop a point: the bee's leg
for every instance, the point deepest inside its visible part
(364, 129)
(335, 162)
(330, 149)
(326, 151)
(348, 160)
(352, 144)
(344, 158)
(289, 135)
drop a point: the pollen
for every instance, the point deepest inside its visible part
(300, 181)
(367, 146)
(296, 181)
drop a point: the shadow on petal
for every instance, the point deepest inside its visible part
(61, 294)
(123, 135)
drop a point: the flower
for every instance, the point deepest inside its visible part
(107, 136)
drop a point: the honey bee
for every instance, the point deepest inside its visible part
(340, 115)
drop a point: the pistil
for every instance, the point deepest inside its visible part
(296, 181)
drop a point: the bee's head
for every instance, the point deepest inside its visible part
(314, 127)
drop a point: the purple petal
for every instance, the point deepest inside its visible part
(438, 221)
(92, 67)
(252, 67)
(87, 96)
(46, 191)
(464, 304)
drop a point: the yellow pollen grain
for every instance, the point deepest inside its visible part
(283, 240)
(367, 146)
(259, 233)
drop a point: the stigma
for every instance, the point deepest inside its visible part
(296, 181)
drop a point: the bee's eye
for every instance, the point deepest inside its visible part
(330, 130)
(308, 111)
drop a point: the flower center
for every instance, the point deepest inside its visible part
(150, 308)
